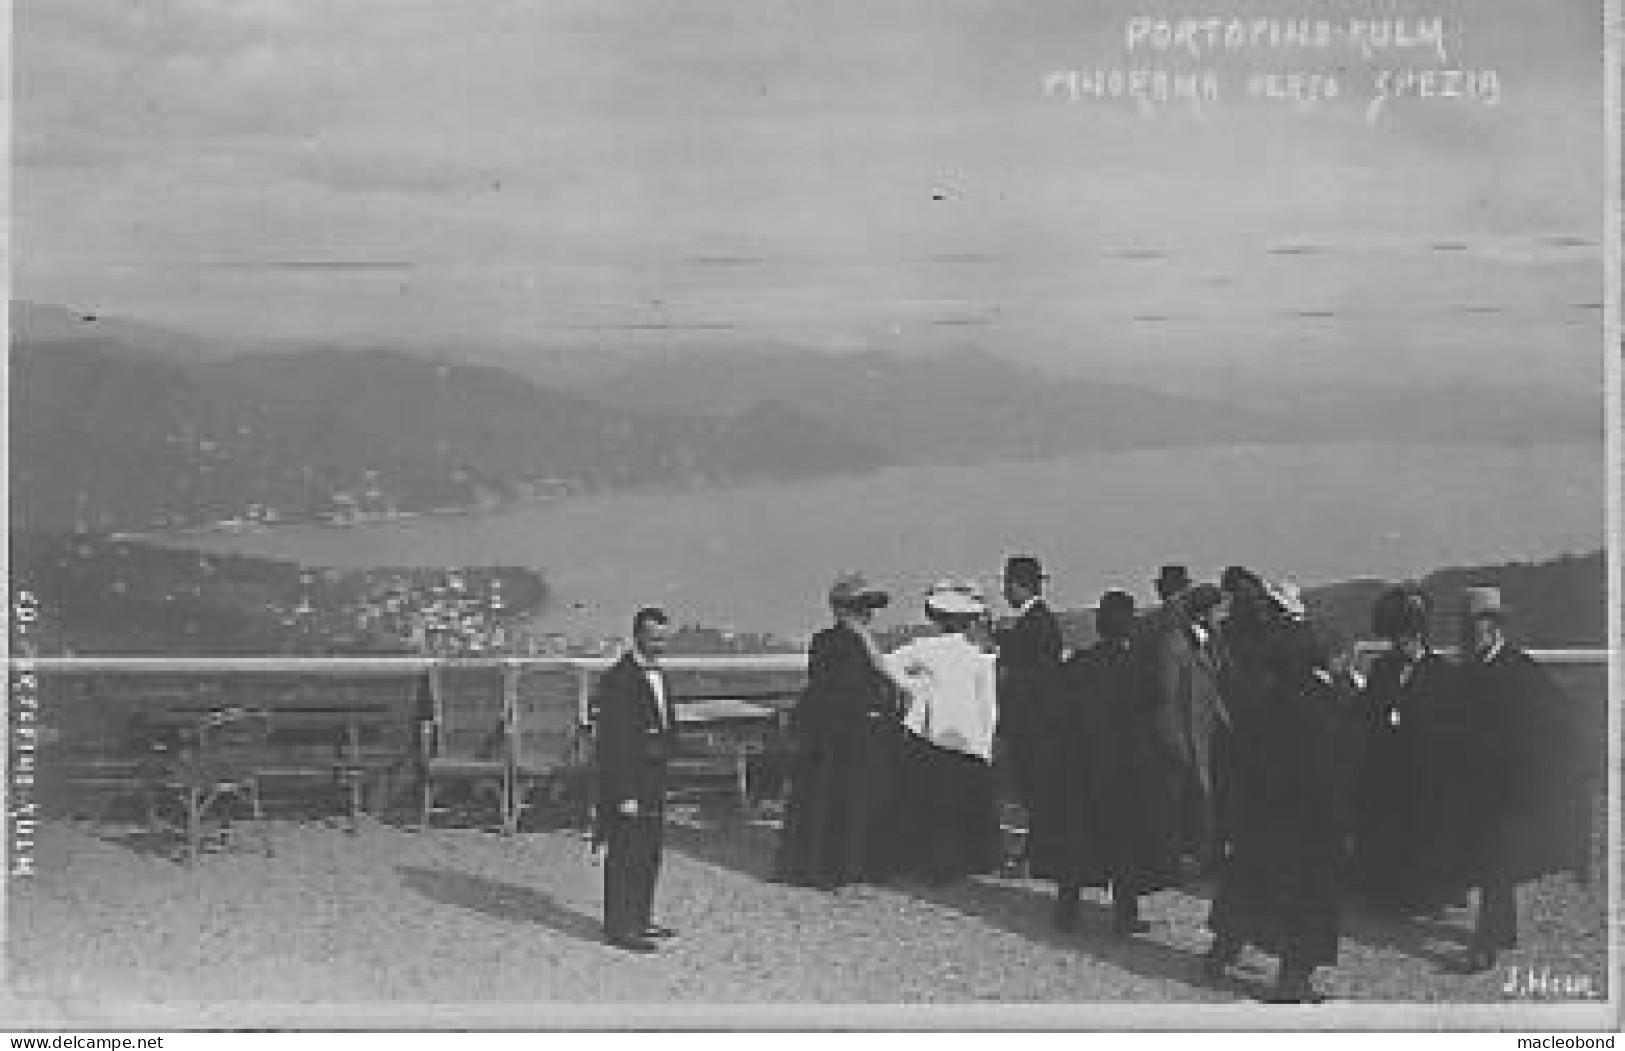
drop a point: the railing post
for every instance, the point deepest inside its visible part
(583, 695)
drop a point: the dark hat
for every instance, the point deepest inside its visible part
(1401, 612)
(1116, 601)
(1238, 578)
(853, 591)
(1173, 578)
(1024, 570)
(1114, 615)
(1202, 598)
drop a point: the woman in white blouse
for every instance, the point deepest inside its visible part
(949, 819)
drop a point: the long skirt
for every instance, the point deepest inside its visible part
(948, 823)
(841, 815)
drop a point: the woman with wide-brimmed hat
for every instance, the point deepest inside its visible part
(838, 823)
(1282, 793)
(948, 823)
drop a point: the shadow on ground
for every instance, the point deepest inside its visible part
(508, 902)
(745, 847)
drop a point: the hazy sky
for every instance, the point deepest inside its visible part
(831, 173)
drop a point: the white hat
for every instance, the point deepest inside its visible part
(1288, 596)
(1483, 602)
(955, 598)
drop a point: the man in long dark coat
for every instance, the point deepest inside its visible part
(1526, 759)
(1030, 690)
(636, 732)
(1181, 662)
(847, 734)
(1103, 825)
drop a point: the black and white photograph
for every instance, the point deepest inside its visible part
(819, 515)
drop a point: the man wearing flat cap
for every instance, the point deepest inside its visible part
(1527, 757)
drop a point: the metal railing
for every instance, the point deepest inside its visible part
(584, 668)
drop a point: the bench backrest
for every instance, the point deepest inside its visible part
(546, 720)
(773, 687)
(470, 709)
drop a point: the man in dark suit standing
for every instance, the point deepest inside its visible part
(1030, 687)
(1186, 706)
(636, 733)
(1525, 752)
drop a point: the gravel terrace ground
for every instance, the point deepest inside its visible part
(397, 921)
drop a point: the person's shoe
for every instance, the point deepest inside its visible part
(655, 930)
(1476, 961)
(632, 942)
(1220, 955)
(1127, 925)
(1298, 992)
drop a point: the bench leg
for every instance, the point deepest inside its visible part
(505, 806)
(519, 793)
(260, 828)
(353, 784)
(428, 803)
(194, 823)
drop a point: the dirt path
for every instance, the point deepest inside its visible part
(386, 925)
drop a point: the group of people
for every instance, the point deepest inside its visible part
(1217, 736)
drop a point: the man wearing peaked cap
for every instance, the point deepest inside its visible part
(1527, 776)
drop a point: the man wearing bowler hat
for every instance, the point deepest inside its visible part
(636, 734)
(1030, 688)
(1172, 581)
(1526, 754)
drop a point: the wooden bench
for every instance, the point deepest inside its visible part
(729, 721)
(467, 737)
(717, 739)
(550, 744)
(188, 755)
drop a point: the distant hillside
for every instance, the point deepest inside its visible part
(1373, 404)
(120, 426)
(124, 597)
(1558, 603)
(966, 408)
(106, 439)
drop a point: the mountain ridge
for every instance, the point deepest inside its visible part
(123, 426)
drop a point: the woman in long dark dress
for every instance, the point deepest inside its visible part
(838, 823)
(1282, 806)
(947, 817)
(1411, 726)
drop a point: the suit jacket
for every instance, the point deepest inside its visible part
(1029, 668)
(633, 740)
